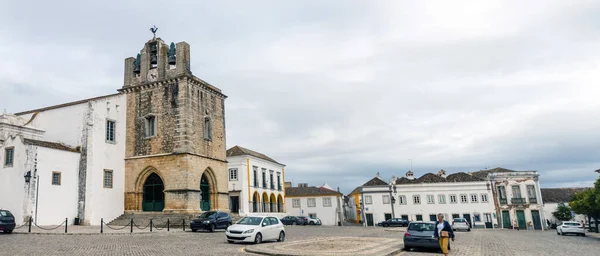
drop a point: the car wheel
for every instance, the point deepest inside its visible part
(406, 248)
(281, 237)
(211, 228)
(468, 230)
(8, 231)
(194, 230)
(294, 223)
(312, 223)
(581, 234)
(386, 225)
(562, 233)
(258, 238)
(453, 229)
(230, 241)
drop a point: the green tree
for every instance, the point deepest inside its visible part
(562, 213)
(587, 202)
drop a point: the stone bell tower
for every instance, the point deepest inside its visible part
(175, 146)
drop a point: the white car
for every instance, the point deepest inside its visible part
(256, 229)
(570, 227)
(460, 224)
(313, 221)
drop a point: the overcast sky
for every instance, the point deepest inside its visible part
(341, 90)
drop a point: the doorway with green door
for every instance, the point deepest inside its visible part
(521, 219)
(204, 193)
(153, 199)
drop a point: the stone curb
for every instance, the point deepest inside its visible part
(95, 233)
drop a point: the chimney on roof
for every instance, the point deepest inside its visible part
(287, 184)
(302, 185)
(442, 173)
(378, 176)
(338, 189)
(393, 179)
(410, 175)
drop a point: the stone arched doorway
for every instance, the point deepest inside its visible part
(279, 203)
(205, 193)
(153, 199)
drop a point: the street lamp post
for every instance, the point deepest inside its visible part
(27, 177)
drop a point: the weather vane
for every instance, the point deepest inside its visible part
(153, 29)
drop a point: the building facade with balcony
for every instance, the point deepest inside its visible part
(256, 183)
(458, 195)
(315, 202)
(517, 197)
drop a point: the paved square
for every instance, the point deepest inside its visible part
(476, 242)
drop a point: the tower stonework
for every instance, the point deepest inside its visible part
(175, 146)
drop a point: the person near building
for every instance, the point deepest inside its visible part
(443, 232)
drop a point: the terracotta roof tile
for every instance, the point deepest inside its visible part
(433, 178)
(484, 173)
(559, 195)
(241, 151)
(48, 144)
(375, 182)
(310, 191)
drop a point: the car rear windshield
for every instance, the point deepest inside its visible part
(5, 214)
(250, 221)
(421, 227)
(571, 224)
(460, 220)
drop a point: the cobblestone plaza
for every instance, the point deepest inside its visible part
(476, 242)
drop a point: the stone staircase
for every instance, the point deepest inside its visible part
(142, 219)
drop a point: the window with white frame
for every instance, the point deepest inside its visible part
(473, 198)
(9, 156)
(442, 199)
(484, 198)
(327, 201)
(110, 131)
(368, 200)
(416, 199)
(108, 179)
(233, 174)
(296, 203)
(453, 199)
(402, 199)
(56, 178)
(312, 202)
(430, 199)
(464, 198)
(386, 199)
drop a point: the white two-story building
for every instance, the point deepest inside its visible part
(255, 183)
(315, 202)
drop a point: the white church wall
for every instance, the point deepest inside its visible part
(61, 124)
(56, 202)
(12, 183)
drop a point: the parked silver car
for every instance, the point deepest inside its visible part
(570, 227)
(460, 224)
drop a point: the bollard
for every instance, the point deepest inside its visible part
(150, 225)
(30, 220)
(168, 225)
(183, 225)
(101, 225)
(131, 224)
(66, 224)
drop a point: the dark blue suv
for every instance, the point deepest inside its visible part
(211, 220)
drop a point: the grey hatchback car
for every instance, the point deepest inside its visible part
(419, 234)
(7, 221)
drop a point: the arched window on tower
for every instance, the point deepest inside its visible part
(207, 128)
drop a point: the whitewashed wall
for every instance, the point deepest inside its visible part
(376, 207)
(239, 163)
(12, 184)
(328, 215)
(56, 202)
(549, 208)
(444, 188)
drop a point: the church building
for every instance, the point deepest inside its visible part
(157, 145)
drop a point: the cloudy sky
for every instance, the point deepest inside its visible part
(341, 90)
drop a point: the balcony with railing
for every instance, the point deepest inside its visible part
(503, 201)
(533, 200)
(517, 200)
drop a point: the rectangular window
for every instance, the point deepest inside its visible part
(442, 199)
(9, 156)
(484, 198)
(264, 178)
(419, 217)
(296, 203)
(110, 131)
(516, 191)
(207, 128)
(452, 199)
(327, 201)
(473, 198)
(417, 199)
(464, 198)
(150, 126)
(279, 181)
(386, 199)
(430, 199)
(56, 178)
(108, 178)
(477, 217)
(502, 192)
(271, 180)
(312, 202)
(233, 174)
(531, 191)
(402, 199)
(255, 169)
(368, 200)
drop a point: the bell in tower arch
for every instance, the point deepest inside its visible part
(153, 53)
(136, 64)
(171, 53)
